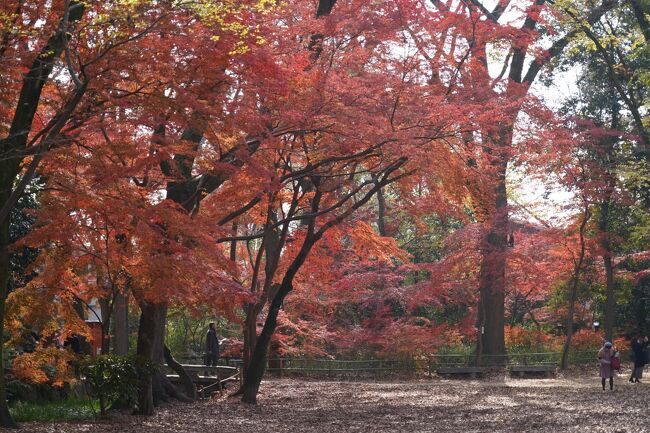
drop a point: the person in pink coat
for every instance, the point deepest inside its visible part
(605, 355)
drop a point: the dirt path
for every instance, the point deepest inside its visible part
(295, 406)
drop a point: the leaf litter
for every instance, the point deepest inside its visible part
(495, 404)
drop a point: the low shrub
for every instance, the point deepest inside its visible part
(72, 409)
(586, 340)
(520, 339)
(113, 378)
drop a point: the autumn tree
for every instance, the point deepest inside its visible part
(484, 36)
(613, 54)
(65, 69)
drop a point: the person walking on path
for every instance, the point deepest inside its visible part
(639, 351)
(211, 346)
(605, 355)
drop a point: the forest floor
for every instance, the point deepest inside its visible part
(495, 404)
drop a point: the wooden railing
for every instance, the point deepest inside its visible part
(423, 364)
(426, 365)
(281, 366)
(209, 379)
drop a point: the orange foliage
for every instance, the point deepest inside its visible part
(45, 365)
(586, 339)
(45, 309)
(518, 337)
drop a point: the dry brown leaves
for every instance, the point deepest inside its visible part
(575, 404)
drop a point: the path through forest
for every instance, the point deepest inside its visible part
(492, 405)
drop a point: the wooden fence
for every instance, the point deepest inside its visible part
(423, 365)
(415, 365)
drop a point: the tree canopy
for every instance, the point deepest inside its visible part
(331, 178)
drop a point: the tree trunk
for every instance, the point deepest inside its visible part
(105, 308)
(250, 340)
(5, 416)
(381, 211)
(640, 10)
(121, 325)
(257, 365)
(159, 385)
(146, 346)
(151, 341)
(163, 388)
(251, 334)
(491, 347)
(569, 323)
(604, 227)
(610, 296)
(575, 281)
(188, 385)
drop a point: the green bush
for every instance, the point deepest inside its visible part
(21, 391)
(113, 379)
(72, 409)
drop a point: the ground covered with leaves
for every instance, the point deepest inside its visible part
(575, 404)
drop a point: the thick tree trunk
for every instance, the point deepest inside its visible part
(146, 347)
(121, 325)
(257, 365)
(159, 382)
(251, 335)
(159, 336)
(5, 416)
(491, 347)
(250, 340)
(151, 341)
(325, 7)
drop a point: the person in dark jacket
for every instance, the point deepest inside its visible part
(211, 346)
(639, 351)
